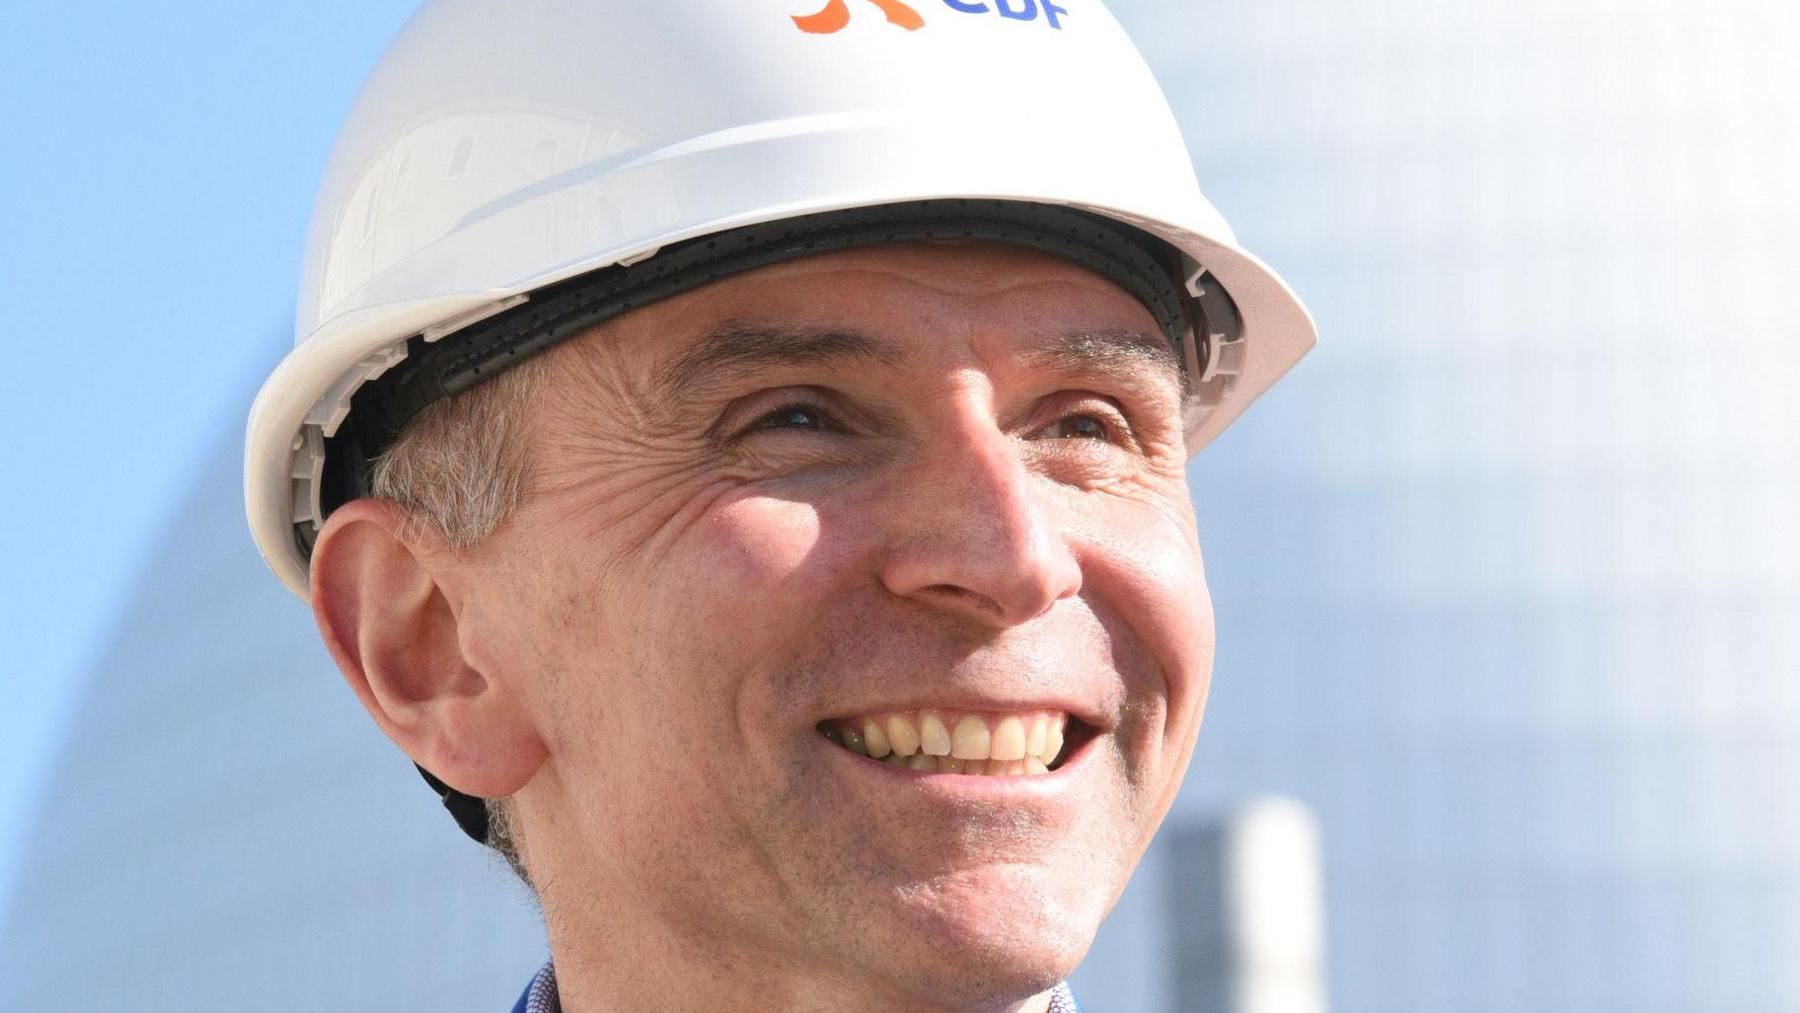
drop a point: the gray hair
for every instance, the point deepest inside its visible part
(461, 466)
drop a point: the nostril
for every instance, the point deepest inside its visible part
(951, 594)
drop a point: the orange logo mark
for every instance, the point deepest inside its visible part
(837, 14)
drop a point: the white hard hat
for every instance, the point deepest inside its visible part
(514, 172)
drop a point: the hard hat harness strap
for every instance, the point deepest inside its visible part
(469, 812)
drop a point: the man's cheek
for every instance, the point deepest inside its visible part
(1156, 583)
(757, 554)
(1150, 592)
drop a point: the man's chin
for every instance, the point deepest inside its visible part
(984, 937)
(985, 974)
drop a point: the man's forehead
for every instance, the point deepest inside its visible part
(892, 306)
(737, 347)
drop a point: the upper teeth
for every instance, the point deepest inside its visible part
(1024, 742)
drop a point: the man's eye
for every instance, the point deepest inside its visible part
(792, 417)
(1074, 427)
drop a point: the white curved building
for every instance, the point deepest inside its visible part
(227, 830)
(1506, 572)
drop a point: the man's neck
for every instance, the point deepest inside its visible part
(624, 973)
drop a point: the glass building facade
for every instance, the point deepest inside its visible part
(1507, 573)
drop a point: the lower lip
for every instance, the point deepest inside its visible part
(972, 785)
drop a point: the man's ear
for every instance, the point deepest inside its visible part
(379, 596)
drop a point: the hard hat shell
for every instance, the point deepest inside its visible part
(500, 148)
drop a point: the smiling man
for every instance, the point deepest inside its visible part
(744, 468)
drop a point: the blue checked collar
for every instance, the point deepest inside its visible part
(540, 996)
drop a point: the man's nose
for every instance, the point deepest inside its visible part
(976, 533)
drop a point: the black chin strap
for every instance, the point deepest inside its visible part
(469, 812)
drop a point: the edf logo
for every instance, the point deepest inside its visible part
(1028, 10)
(837, 13)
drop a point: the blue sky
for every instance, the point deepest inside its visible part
(158, 171)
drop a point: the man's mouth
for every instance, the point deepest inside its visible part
(1007, 744)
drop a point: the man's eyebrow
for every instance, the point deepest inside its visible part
(738, 347)
(1121, 352)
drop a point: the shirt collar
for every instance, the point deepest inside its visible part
(540, 996)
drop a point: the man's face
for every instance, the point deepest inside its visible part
(908, 482)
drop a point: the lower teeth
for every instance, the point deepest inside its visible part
(926, 763)
(929, 764)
